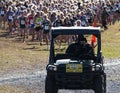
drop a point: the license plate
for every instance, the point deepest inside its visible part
(74, 68)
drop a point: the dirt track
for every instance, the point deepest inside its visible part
(33, 81)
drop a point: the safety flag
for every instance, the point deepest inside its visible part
(93, 40)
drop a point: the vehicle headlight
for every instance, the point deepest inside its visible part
(98, 67)
(52, 68)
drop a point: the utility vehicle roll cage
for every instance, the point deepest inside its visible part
(55, 31)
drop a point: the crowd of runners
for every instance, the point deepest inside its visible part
(36, 17)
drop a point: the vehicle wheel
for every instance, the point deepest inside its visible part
(104, 83)
(50, 86)
(100, 84)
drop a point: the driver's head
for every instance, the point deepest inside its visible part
(82, 40)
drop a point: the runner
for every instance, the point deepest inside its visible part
(10, 15)
(22, 22)
(2, 15)
(46, 29)
(38, 26)
(32, 24)
(71, 10)
(83, 18)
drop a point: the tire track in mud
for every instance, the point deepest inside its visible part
(35, 80)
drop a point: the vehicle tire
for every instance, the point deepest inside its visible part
(50, 85)
(105, 91)
(100, 84)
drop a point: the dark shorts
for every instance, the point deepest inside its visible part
(117, 11)
(90, 21)
(9, 20)
(46, 31)
(32, 25)
(38, 28)
(2, 15)
(22, 26)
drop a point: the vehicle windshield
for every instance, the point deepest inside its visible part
(62, 44)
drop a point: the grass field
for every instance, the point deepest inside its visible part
(111, 41)
(15, 55)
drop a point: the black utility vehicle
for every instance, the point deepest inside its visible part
(66, 71)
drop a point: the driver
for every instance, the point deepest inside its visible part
(81, 48)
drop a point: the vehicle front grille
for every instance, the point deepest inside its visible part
(74, 77)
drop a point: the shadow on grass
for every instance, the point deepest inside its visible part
(32, 43)
(4, 34)
(56, 49)
(60, 50)
(7, 35)
(17, 40)
(35, 49)
(30, 48)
